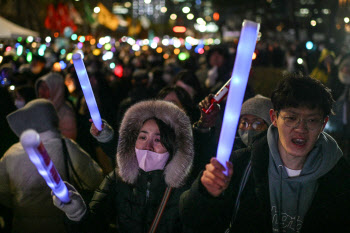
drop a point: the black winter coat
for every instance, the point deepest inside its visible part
(131, 207)
(329, 211)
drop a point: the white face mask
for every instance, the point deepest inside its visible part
(344, 78)
(19, 103)
(150, 161)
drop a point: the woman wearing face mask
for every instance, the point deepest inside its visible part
(154, 157)
(23, 95)
(254, 119)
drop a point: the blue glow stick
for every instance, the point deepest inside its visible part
(37, 153)
(238, 84)
(87, 90)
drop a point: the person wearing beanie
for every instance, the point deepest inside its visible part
(22, 188)
(254, 119)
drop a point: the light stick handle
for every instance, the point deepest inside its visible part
(219, 96)
(238, 84)
(37, 153)
(87, 90)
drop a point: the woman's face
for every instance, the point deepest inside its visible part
(149, 138)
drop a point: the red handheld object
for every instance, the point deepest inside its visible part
(219, 96)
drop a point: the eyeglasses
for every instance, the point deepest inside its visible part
(256, 125)
(294, 121)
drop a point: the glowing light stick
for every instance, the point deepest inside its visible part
(87, 90)
(239, 79)
(219, 96)
(37, 153)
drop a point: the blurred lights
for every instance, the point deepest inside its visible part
(118, 71)
(176, 51)
(159, 50)
(74, 37)
(147, 1)
(112, 65)
(130, 41)
(166, 56)
(182, 56)
(63, 51)
(165, 42)
(96, 52)
(1, 58)
(29, 57)
(186, 9)
(12, 87)
(190, 16)
(346, 20)
(69, 56)
(107, 46)
(107, 56)
(97, 10)
(48, 39)
(34, 44)
(201, 21)
(127, 4)
(80, 45)
(313, 23)
(63, 65)
(30, 39)
(56, 34)
(300, 61)
(179, 29)
(19, 50)
(163, 9)
(82, 39)
(216, 16)
(173, 16)
(56, 67)
(136, 47)
(154, 45)
(309, 45)
(254, 56)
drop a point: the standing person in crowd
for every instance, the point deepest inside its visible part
(51, 87)
(22, 188)
(188, 80)
(154, 158)
(292, 179)
(254, 119)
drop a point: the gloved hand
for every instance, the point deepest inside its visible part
(76, 208)
(105, 135)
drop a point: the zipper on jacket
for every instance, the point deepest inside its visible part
(147, 190)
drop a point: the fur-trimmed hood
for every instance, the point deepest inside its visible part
(176, 171)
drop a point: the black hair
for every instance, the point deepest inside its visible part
(183, 96)
(167, 136)
(297, 90)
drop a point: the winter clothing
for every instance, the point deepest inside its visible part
(258, 106)
(65, 111)
(22, 188)
(327, 212)
(134, 195)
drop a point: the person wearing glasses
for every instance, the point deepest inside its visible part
(293, 178)
(254, 119)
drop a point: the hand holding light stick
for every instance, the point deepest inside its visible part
(238, 84)
(87, 90)
(219, 96)
(31, 143)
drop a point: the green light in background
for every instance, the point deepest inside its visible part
(112, 65)
(29, 56)
(82, 39)
(19, 50)
(108, 46)
(19, 39)
(182, 56)
(63, 51)
(69, 56)
(74, 37)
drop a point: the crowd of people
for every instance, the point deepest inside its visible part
(152, 167)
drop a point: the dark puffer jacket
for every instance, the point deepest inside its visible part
(132, 196)
(204, 213)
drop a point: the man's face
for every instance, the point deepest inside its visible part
(297, 138)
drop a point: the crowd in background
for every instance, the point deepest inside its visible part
(149, 75)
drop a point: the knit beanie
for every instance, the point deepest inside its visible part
(38, 114)
(258, 106)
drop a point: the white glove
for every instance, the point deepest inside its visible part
(76, 208)
(105, 135)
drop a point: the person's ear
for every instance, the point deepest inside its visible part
(273, 117)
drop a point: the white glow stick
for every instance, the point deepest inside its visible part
(87, 90)
(37, 153)
(238, 84)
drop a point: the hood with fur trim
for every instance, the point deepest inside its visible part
(177, 170)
